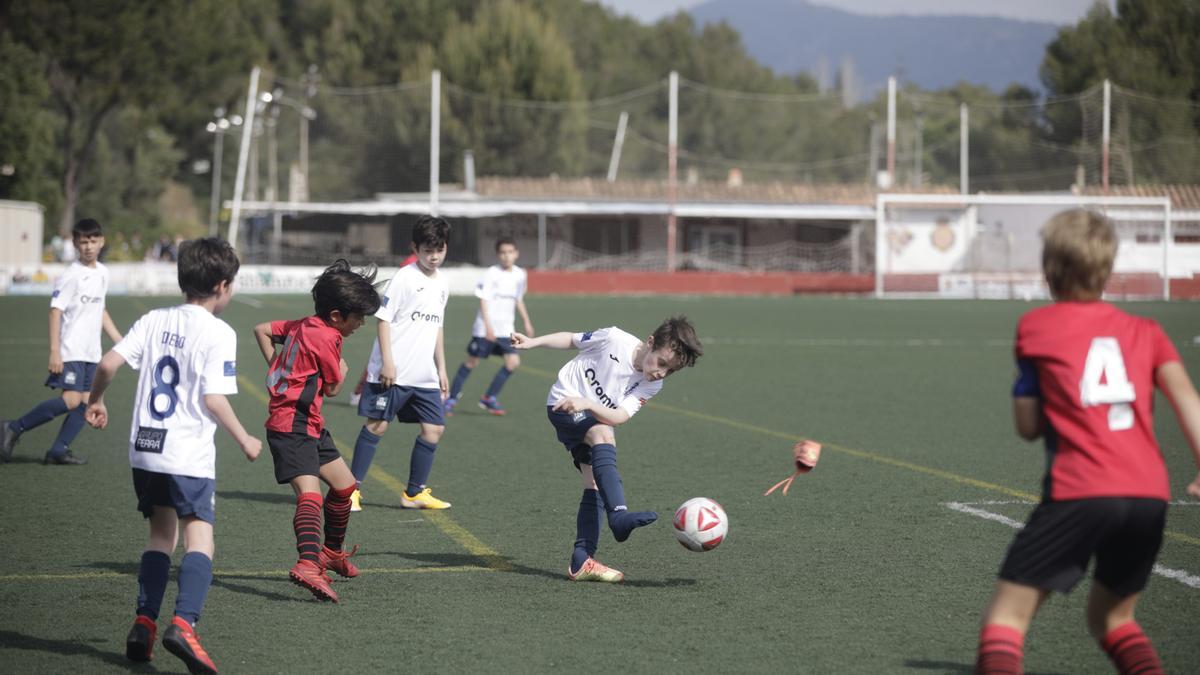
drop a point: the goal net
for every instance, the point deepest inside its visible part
(990, 246)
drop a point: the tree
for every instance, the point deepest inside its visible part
(103, 55)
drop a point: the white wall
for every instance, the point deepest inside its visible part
(21, 227)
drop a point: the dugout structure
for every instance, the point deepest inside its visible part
(989, 246)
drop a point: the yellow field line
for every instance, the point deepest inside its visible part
(493, 560)
(240, 574)
(864, 454)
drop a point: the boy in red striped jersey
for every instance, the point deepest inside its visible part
(1086, 378)
(307, 366)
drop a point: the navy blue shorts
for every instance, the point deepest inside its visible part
(75, 376)
(572, 428)
(482, 348)
(407, 404)
(1053, 550)
(187, 495)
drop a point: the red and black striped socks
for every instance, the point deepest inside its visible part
(1001, 650)
(337, 516)
(1131, 651)
(307, 524)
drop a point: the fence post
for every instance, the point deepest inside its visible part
(891, 131)
(964, 157)
(1105, 135)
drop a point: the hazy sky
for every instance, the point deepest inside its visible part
(1050, 11)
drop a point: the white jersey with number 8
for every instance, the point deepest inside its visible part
(182, 353)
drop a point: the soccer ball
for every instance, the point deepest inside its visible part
(700, 524)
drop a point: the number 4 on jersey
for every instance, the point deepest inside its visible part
(1106, 382)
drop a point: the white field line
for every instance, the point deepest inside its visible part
(256, 304)
(1182, 576)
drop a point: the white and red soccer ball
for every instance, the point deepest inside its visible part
(700, 524)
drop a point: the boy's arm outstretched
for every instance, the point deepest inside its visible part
(1173, 379)
(219, 406)
(96, 413)
(551, 340)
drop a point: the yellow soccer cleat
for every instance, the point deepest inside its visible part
(593, 570)
(423, 500)
(356, 501)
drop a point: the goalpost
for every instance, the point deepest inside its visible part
(989, 246)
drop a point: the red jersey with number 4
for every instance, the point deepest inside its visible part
(309, 360)
(1095, 367)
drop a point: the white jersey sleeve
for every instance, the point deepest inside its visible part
(220, 364)
(394, 297)
(133, 345)
(64, 289)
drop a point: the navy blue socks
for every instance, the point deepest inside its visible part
(71, 427)
(364, 453)
(152, 582)
(41, 413)
(621, 521)
(460, 378)
(498, 382)
(587, 529)
(420, 465)
(195, 576)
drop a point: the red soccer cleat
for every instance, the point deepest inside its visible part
(338, 561)
(309, 575)
(182, 641)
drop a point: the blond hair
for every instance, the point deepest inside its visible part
(1078, 249)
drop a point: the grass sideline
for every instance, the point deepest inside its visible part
(861, 569)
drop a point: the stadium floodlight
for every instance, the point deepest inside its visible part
(218, 126)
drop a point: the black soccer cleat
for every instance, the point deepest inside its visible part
(67, 458)
(8, 441)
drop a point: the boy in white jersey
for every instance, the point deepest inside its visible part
(501, 294)
(610, 379)
(187, 363)
(406, 376)
(77, 314)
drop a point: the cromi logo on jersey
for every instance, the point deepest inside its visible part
(590, 374)
(91, 299)
(422, 316)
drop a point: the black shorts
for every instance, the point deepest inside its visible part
(1053, 551)
(300, 454)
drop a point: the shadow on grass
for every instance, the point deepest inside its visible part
(951, 666)
(18, 459)
(503, 564)
(225, 581)
(264, 497)
(14, 640)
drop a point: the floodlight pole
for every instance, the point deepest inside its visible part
(243, 154)
(435, 125)
(1105, 137)
(963, 148)
(619, 141)
(891, 131)
(672, 163)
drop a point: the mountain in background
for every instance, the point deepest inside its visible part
(934, 52)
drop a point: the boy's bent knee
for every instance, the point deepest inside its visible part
(601, 433)
(376, 427)
(432, 433)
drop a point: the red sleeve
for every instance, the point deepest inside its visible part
(1164, 349)
(279, 330)
(329, 357)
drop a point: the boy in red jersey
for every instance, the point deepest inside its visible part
(1086, 381)
(306, 367)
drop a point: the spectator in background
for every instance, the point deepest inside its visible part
(163, 250)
